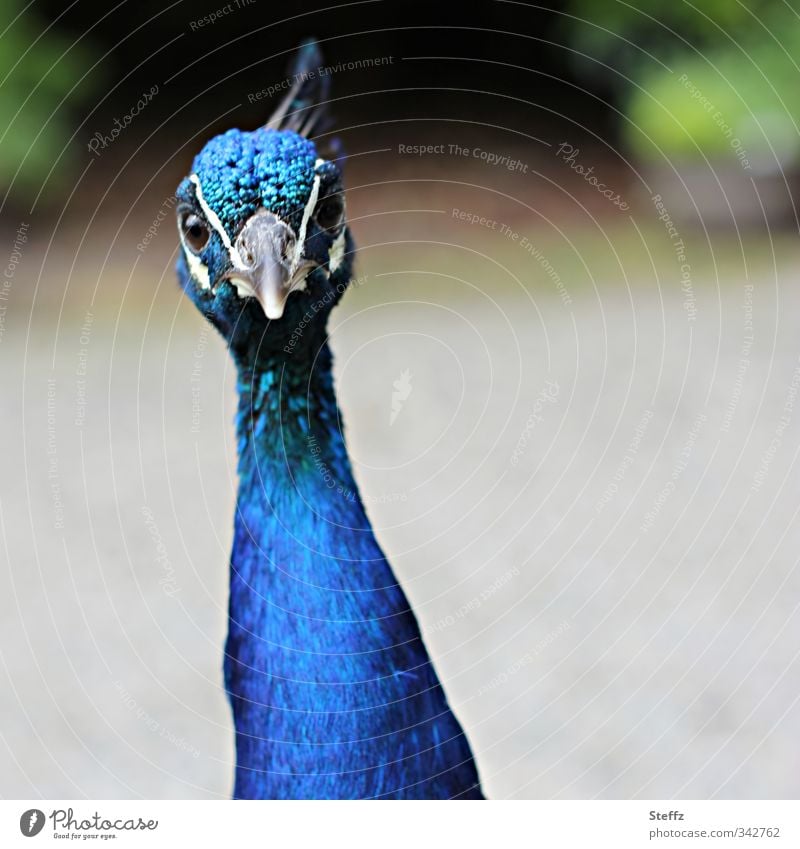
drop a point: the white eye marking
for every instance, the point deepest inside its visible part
(213, 220)
(336, 253)
(301, 285)
(243, 287)
(197, 268)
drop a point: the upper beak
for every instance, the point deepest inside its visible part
(266, 255)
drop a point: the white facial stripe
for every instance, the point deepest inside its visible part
(307, 212)
(213, 220)
(211, 216)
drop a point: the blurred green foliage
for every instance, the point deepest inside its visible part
(40, 79)
(622, 34)
(719, 79)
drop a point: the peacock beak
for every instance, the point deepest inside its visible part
(264, 265)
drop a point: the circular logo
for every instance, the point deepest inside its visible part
(31, 822)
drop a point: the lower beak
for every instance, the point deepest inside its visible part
(266, 254)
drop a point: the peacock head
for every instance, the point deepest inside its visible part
(265, 246)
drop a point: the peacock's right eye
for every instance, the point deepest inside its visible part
(330, 212)
(194, 231)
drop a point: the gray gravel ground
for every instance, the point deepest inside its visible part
(593, 507)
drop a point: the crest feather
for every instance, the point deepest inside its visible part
(304, 108)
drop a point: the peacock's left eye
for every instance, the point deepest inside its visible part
(194, 231)
(330, 212)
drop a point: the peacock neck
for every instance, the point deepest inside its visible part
(332, 689)
(292, 454)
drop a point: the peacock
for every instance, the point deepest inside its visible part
(332, 690)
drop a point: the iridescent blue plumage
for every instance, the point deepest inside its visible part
(332, 689)
(241, 171)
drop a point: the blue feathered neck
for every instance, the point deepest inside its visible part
(333, 692)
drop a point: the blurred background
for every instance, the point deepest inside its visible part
(589, 281)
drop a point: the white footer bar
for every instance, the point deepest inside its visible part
(402, 825)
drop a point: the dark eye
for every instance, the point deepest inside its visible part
(330, 212)
(194, 231)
